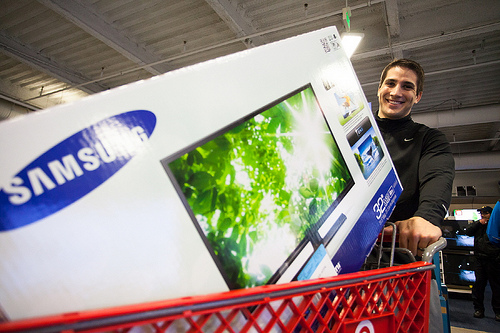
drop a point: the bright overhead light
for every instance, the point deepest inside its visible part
(350, 41)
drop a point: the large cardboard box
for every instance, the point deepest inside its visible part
(260, 167)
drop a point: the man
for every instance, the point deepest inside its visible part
(487, 265)
(421, 155)
(424, 163)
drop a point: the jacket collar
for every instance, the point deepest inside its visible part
(393, 124)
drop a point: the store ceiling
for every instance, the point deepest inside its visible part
(56, 51)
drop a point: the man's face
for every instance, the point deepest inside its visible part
(485, 215)
(398, 93)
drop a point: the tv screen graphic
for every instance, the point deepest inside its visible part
(259, 189)
(467, 214)
(454, 232)
(347, 103)
(346, 93)
(366, 147)
(459, 269)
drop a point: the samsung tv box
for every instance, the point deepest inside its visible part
(260, 167)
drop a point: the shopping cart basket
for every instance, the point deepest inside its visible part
(391, 299)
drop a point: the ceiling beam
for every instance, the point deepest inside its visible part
(459, 117)
(447, 70)
(236, 20)
(494, 142)
(5, 97)
(32, 57)
(87, 18)
(477, 161)
(417, 43)
(9, 109)
(391, 7)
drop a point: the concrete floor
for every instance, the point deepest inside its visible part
(464, 330)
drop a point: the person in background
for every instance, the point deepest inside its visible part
(487, 265)
(421, 155)
(493, 230)
(424, 162)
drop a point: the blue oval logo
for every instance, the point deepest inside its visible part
(73, 168)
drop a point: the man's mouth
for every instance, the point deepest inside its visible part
(392, 102)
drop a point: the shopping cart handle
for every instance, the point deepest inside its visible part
(427, 255)
(434, 248)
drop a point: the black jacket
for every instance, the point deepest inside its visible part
(425, 166)
(482, 245)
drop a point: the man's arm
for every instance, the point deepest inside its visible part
(436, 174)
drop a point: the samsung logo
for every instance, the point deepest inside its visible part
(73, 168)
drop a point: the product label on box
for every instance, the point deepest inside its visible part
(369, 224)
(73, 168)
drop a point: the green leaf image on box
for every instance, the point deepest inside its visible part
(261, 187)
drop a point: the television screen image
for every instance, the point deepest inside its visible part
(366, 147)
(464, 240)
(259, 189)
(347, 103)
(348, 99)
(466, 214)
(454, 232)
(459, 269)
(369, 154)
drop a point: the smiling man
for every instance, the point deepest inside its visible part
(421, 155)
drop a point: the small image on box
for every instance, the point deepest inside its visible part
(366, 147)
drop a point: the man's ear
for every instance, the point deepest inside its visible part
(419, 96)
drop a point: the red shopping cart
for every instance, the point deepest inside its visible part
(390, 299)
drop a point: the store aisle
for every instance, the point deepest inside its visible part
(461, 309)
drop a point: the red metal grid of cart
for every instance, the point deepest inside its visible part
(394, 299)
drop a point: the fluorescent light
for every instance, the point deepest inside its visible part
(350, 41)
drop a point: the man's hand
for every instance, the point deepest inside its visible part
(416, 233)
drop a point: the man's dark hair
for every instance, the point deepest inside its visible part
(409, 64)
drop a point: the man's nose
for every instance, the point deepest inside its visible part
(396, 90)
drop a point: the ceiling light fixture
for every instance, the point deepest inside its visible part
(350, 42)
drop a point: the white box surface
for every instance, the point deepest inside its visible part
(259, 167)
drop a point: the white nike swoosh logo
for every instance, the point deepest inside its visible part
(410, 139)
